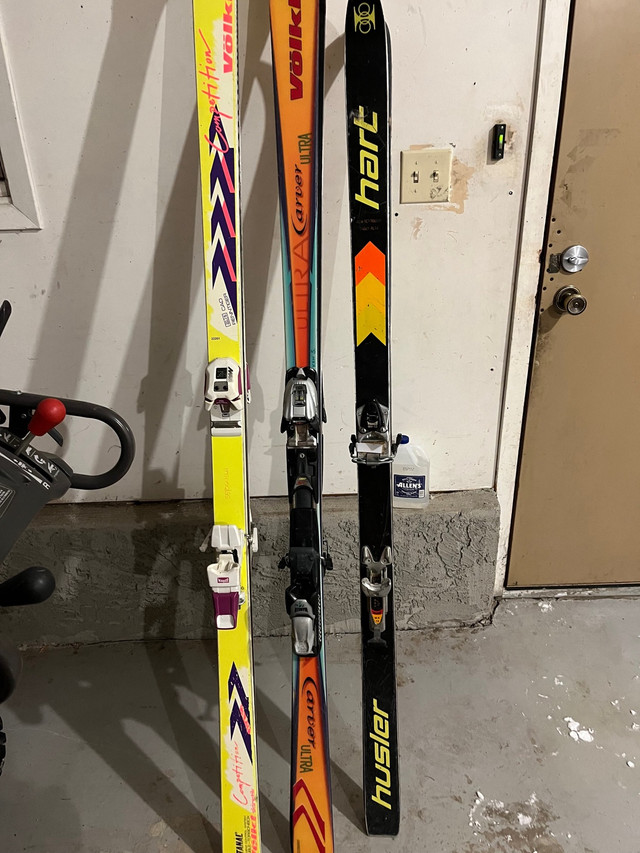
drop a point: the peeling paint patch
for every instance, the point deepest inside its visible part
(461, 175)
(578, 732)
(504, 828)
(479, 800)
(416, 226)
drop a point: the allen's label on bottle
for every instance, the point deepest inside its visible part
(406, 486)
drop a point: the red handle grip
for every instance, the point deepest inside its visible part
(48, 414)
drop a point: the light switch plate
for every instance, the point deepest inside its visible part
(425, 175)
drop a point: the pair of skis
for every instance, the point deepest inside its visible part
(297, 32)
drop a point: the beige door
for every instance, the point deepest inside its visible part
(577, 514)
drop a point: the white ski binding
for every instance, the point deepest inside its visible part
(223, 396)
(224, 575)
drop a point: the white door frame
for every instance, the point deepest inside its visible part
(548, 79)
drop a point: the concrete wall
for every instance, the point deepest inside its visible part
(133, 572)
(107, 297)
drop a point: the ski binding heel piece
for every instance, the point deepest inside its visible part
(371, 445)
(224, 575)
(301, 598)
(223, 396)
(376, 586)
(302, 627)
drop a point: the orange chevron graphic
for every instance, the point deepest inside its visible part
(370, 260)
(371, 298)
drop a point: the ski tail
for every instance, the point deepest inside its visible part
(297, 38)
(381, 787)
(311, 821)
(226, 396)
(367, 72)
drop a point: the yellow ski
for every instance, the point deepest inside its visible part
(226, 396)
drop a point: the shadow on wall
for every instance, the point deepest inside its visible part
(161, 310)
(174, 278)
(94, 198)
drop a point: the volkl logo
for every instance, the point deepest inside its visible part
(227, 41)
(365, 18)
(295, 50)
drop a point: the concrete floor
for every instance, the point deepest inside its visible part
(523, 736)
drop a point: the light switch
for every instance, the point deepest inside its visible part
(425, 175)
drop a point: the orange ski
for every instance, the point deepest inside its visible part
(297, 33)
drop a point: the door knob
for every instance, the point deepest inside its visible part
(569, 300)
(574, 259)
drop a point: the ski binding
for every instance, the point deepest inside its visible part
(301, 597)
(301, 422)
(223, 396)
(376, 587)
(303, 627)
(224, 575)
(300, 409)
(371, 445)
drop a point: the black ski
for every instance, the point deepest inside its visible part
(297, 38)
(367, 68)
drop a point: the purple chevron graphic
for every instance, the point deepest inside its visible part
(240, 717)
(223, 214)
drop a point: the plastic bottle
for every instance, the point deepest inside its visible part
(410, 475)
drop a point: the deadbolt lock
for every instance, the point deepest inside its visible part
(572, 260)
(569, 300)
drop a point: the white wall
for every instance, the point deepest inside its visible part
(107, 297)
